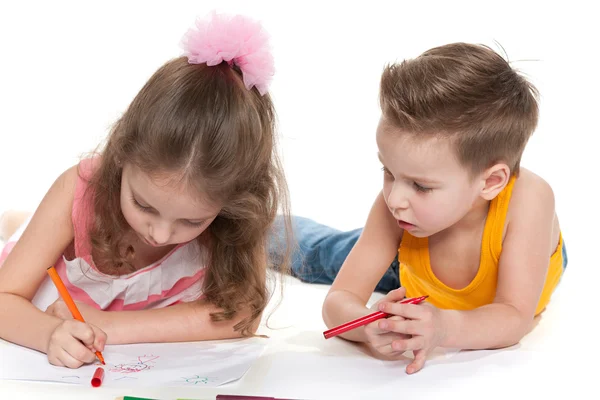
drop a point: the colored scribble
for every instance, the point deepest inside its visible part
(125, 378)
(143, 363)
(197, 379)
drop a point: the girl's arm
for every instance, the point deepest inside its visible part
(365, 265)
(42, 243)
(183, 322)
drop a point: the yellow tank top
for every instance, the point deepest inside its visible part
(418, 278)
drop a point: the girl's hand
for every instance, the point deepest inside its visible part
(74, 343)
(380, 340)
(59, 309)
(421, 325)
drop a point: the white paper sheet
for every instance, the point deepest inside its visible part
(206, 364)
(505, 373)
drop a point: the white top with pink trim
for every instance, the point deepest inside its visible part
(177, 277)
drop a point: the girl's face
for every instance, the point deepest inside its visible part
(161, 210)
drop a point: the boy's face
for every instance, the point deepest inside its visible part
(425, 187)
(161, 210)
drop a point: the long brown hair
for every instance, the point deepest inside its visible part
(201, 124)
(466, 92)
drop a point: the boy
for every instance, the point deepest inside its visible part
(468, 226)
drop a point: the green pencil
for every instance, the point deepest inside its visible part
(133, 398)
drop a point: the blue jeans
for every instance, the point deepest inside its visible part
(321, 251)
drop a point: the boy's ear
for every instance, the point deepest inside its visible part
(494, 180)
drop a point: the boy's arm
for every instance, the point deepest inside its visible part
(531, 238)
(363, 268)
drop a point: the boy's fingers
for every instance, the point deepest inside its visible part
(413, 343)
(396, 295)
(403, 326)
(418, 362)
(409, 311)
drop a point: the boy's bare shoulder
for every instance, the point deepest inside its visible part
(531, 184)
(530, 192)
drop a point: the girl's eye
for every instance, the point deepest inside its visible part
(141, 207)
(193, 224)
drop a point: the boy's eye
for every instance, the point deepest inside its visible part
(386, 171)
(421, 188)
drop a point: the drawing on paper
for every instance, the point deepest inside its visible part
(191, 364)
(197, 379)
(143, 363)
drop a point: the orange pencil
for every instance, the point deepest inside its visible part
(64, 293)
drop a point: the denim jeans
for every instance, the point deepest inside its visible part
(321, 251)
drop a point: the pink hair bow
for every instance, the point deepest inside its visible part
(236, 40)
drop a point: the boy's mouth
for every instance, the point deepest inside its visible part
(405, 225)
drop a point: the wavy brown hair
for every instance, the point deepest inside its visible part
(202, 125)
(468, 93)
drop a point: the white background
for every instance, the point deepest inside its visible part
(69, 69)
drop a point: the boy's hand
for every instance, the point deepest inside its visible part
(421, 326)
(74, 343)
(380, 340)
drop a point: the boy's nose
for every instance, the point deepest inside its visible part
(398, 198)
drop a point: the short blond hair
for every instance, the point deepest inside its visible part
(468, 93)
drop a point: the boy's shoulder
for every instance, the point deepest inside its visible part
(530, 192)
(528, 183)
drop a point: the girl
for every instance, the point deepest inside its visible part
(161, 236)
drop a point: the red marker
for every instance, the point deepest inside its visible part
(367, 319)
(98, 377)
